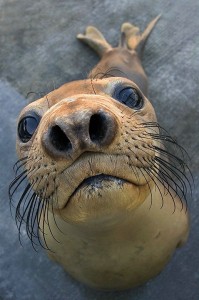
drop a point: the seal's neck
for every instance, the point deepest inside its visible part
(121, 62)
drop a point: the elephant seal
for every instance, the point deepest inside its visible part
(103, 193)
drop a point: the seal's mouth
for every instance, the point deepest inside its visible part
(97, 182)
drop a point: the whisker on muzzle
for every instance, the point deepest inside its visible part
(31, 209)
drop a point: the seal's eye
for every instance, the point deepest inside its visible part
(27, 126)
(130, 97)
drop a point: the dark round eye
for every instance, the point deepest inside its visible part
(27, 126)
(130, 97)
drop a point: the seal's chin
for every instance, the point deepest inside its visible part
(102, 198)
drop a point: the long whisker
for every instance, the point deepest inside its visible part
(181, 176)
(19, 161)
(144, 177)
(163, 180)
(30, 207)
(168, 168)
(181, 189)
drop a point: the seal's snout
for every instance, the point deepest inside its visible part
(83, 130)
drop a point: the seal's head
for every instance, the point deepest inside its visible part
(92, 149)
(88, 148)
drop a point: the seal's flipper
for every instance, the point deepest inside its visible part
(133, 39)
(94, 38)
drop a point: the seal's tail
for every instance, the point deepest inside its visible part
(95, 39)
(131, 38)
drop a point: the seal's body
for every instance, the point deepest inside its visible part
(99, 176)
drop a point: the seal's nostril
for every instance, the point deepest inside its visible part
(98, 127)
(59, 140)
(71, 135)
